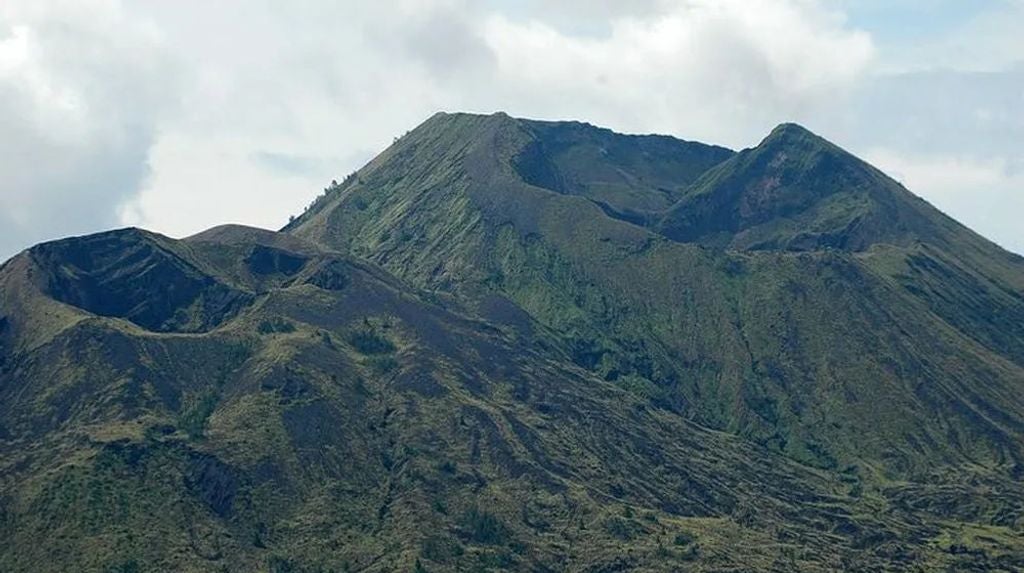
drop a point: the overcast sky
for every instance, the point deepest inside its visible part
(177, 116)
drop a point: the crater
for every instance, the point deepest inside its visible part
(139, 277)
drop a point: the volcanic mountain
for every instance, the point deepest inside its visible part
(507, 344)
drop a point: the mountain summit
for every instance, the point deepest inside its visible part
(796, 191)
(507, 344)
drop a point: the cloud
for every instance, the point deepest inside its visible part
(80, 92)
(288, 164)
(724, 70)
(311, 80)
(942, 111)
(991, 40)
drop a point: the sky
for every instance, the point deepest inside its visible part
(178, 116)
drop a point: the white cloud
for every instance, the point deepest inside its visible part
(723, 71)
(327, 88)
(990, 41)
(81, 89)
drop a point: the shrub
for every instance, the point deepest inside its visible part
(621, 528)
(193, 420)
(683, 538)
(368, 341)
(439, 506)
(440, 549)
(130, 566)
(277, 564)
(272, 325)
(482, 526)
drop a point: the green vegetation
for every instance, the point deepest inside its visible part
(194, 418)
(481, 526)
(366, 340)
(515, 345)
(441, 549)
(275, 325)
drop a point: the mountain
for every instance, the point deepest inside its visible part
(820, 353)
(507, 344)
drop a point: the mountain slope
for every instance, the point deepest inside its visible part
(796, 191)
(510, 345)
(822, 355)
(324, 425)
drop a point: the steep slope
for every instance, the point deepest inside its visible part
(341, 421)
(821, 355)
(798, 192)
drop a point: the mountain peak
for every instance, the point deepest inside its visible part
(798, 138)
(448, 119)
(790, 129)
(798, 191)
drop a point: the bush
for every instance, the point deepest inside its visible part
(439, 506)
(193, 420)
(483, 527)
(278, 564)
(130, 566)
(272, 325)
(683, 538)
(440, 549)
(368, 341)
(621, 528)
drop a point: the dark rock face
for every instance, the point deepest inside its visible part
(213, 482)
(629, 174)
(4, 335)
(330, 276)
(269, 261)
